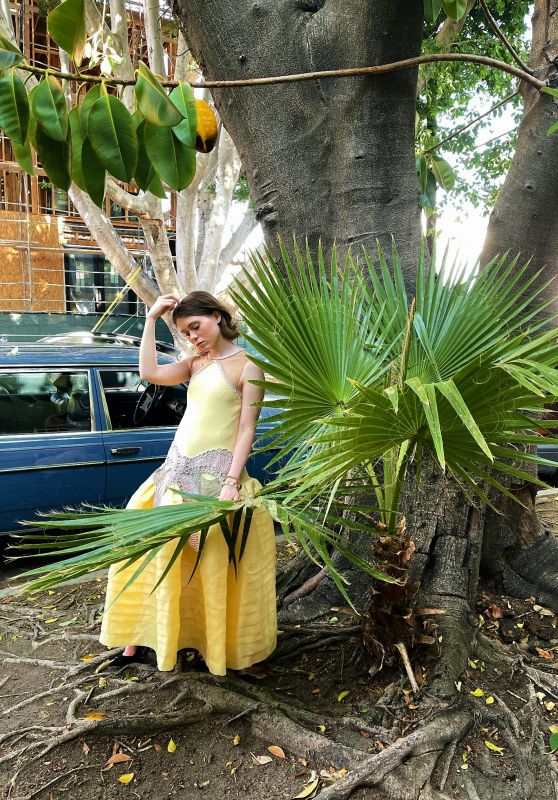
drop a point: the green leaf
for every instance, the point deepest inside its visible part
(145, 171)
(14, 108)
(10, 55)
(443, 172)
(422, 171)
(152, 100)
(553, 743)
(66, 25)
(454, 8)
(93, 173)
(550, 90)
(553, 128)
(48, 105)
(432, 10)
(450, 391)
(89, 101)
(55, 159)
(174, 162)
(111, 131)
(183, 98)
(24, 157)
(76, 143)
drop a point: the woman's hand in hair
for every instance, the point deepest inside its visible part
(163, 304)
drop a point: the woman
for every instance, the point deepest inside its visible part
(229, 618)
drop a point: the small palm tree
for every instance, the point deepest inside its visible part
(365, 382)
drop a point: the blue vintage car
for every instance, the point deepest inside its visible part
(78, 425)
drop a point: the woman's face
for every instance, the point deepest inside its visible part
(203, 331)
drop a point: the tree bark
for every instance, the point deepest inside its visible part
(518, 551)
(331, 161)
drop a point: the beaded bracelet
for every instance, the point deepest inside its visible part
(232, 481)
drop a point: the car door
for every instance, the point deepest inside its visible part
(51, 450)
(134, 447)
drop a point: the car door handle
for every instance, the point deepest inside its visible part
(125, 451)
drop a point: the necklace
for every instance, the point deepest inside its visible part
(227, 355)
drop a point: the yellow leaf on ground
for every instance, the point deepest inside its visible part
(341, 695)
(171, 747)
(277, 751)
(489, 700)
(492, 746)
(236, 739)
(88, 657)
(477, 693)
(550, 705)
(310, 789)
(95, 715)
(322, 728)
(51, 620)
(129, 776)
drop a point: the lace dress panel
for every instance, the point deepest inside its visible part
(201, 474)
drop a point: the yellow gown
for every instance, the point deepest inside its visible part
(230, 619)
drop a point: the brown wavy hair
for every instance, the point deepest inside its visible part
(203, 304)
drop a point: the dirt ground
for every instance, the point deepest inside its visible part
(53, 681)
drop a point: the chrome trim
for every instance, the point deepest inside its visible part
(70, 368)
(52, 466)
(134, 460)
(147, 428)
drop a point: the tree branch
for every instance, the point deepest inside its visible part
(153, 35)
(239, 236)
(501, 35)
(472, 122)
(136, 203)
(378, 69)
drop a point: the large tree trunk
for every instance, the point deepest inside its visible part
(517, 550)
(329, 160)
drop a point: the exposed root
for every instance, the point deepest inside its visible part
(432, 737)
(307, 587)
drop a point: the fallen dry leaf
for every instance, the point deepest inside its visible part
(259, 761)
(85, 749)
(119, 758)
(129, 776)
(477, 693)
(171, 747)
(95, 715)
(548, 654)
(277, 751)
(236, 739)
(342, 695)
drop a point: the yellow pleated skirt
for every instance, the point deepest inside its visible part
(229, 618)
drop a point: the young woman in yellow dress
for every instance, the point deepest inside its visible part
(229, 618)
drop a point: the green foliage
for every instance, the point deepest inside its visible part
(10, 55)
(55, 158)
(111, 131)
(153, 102)
(14, 108)
(48, 105)
(174, 161)
(77, 139)
(94, 173)
(183, 98)
(453, 94)
(24, 158)
(66, 25)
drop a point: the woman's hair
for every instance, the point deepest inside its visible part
(203, 304)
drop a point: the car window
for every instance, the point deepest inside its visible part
(44, 402)
(124, 390)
